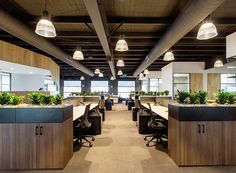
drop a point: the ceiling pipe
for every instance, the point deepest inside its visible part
(193, 13)
(20, 30)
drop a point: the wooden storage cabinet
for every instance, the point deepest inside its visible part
(7, 146)
(37, 141)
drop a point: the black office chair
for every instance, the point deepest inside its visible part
(82, 126)
(108, 104)
(158, 125)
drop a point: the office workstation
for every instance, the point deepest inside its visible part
(101, 86)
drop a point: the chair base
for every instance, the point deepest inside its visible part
(159, 137)
(84, 137)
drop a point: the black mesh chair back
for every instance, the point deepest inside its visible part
(154, 122)
(85, 119)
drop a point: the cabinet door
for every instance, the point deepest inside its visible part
(26, 145)
(230, 142)
(189, 143)
(8, 156)
(50, 146)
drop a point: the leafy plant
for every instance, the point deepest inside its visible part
(57, 99)
(193, 97)
(202, 97)
(35, 98)
(182, 96)
(166, 92)
(46, 99)
(231, 98)
(5, 98)
(222, 98)
(16, 100)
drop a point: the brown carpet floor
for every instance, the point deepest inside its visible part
(120, 149)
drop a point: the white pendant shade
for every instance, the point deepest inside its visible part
(121, 45)
(97, 71)
(112, 78)
(218, 63)
(120, 73)
(120, 63)
(140, 78)
(206, 31)
(45, 27)
(169, 56)
(141, 75)
(100, 75)
(146, 71)
(78, 55)
(82, 78)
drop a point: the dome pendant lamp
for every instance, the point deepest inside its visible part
(169, 56)
(78, 54)
(120, 63)
(121, 45)
(45, 27)
(218, 63)
(97, 71)
(207, 31)
(120, 73)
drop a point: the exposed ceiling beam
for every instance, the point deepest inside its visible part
(99, 22)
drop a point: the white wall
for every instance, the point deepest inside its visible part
(154, 74)
(27, 82)
(167, 78)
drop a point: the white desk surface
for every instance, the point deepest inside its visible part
(159, 110)
(78, 111)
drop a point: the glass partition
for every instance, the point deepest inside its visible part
(181, 83)
(228, 84)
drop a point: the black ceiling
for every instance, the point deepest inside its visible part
(142, 26)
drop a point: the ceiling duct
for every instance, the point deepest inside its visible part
(20, 30)
(193, 13)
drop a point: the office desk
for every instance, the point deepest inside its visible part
(78, 111)
(159, 110)
(96, 120)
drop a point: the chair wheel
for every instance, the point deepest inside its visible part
(147, 144)
(145, 138)
(93, 139)
(90, 145)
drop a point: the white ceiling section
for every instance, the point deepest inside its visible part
(22, 69)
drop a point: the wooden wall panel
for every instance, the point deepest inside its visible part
(16, 54)
(196, 81)
(213, 84)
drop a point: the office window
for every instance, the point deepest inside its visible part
(154, 85)
(227, 84)
(6, 81)
(144, 85)
(49, 85)
(71, 86)
(99, 86)
(181, 83)
(125, 87)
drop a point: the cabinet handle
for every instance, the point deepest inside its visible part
(36, 130)
(203, 128)
(41, 130)
(199, 128)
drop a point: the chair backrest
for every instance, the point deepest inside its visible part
(139, 104)
(152, 121)
(85, 119)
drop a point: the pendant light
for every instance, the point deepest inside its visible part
(206, 31)
(140, 78)
(45, 27)
(78, 54)
(141, 75)
(218, 63)
(169, 56)
(112, 78)
(97, 71)
(100, 74)
(121, 45)
(120, 63)
(82, 78)
(120, 73)
(146, 72)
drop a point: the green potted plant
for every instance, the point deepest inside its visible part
(166, 92)
(231, 98)
(222, 98)
(202, 97)
(35, 98)
(182, 97)
(46, 99)
(57, 99)
(5, 98)
(16, 100)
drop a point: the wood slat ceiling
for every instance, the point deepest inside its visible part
(143, 22)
